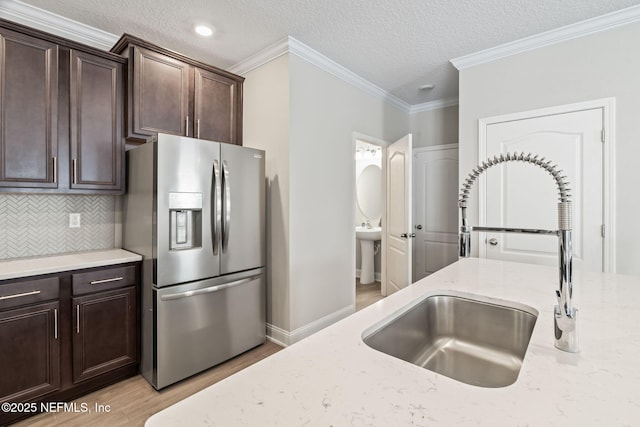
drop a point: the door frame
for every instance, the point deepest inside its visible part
(415, 152)
(608, 166)
(355, 136)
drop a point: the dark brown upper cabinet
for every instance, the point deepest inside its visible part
(61, 115)
(171, 93)
(28, 111)
(215, 107)
(96, 122)
(159, 93)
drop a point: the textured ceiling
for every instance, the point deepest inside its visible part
(395, 44)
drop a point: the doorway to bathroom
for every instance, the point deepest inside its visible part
(369, 206)
(382, 210)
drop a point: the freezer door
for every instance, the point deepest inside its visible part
(188, 210)
(201, 324)
(243, 208)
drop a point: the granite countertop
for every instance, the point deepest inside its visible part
(333, 379)
(24, 267)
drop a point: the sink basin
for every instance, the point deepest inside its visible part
(364, 233)
(469, 338)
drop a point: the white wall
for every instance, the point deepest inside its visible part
(598, 66)
(304, 118)
(435, 127)
(325, 111)
(266, 126)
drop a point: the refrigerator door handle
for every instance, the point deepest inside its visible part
(209, 289)
(216, 208)
(226, 205)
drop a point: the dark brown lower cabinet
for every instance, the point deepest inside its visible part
(30, 352)
(66, 334)
(105, 332)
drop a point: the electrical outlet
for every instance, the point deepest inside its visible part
(74, 220)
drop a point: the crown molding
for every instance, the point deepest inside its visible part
(584, 28)
(292, 46)
(330, 66)
(433, 105)
(260, 58)
(22, 13)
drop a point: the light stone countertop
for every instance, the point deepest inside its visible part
(24, 267)
(333, 379)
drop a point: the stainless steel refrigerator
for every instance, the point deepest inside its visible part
(195, 211)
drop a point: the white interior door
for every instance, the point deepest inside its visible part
(524, 195)
(398, 225)
(435, 201)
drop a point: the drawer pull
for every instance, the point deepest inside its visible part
(77, 319)
(98, 282)
(24, 294)
(55, 323)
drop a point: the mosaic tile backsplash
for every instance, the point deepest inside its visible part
(33, 225)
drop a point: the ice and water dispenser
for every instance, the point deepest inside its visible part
(185, 221)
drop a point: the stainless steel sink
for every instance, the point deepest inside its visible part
(466, 337)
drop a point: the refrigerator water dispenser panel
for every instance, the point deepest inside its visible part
(185, 219)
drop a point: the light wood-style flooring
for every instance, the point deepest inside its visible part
(132, 401)
(367, 294)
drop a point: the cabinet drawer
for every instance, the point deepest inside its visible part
(15, 294)
(101, 280)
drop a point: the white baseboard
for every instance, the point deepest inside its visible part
(286, 338)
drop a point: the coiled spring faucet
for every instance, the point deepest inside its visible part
(565, 315)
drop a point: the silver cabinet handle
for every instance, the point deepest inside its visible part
(55, 170)
(226, 204)
(404, 235)
(198, 128)
(77, 318)
(186, 125)
(493, 242)
(216, 209)
(98, 282)
(75, 171)
(412, 235)
(55, 323)
(24, 294)
(209, 289)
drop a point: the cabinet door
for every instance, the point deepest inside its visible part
(95, 100)
(28, 111)
(30, 352)
(160, 93)
(105, 332)
(216, 107)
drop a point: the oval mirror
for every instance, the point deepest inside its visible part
(369, 192)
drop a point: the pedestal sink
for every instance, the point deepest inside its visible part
(367, 236)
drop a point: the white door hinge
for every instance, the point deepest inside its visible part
(602, 230)
(602, 135)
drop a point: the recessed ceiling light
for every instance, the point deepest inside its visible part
(204, 31)
(426, 87)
